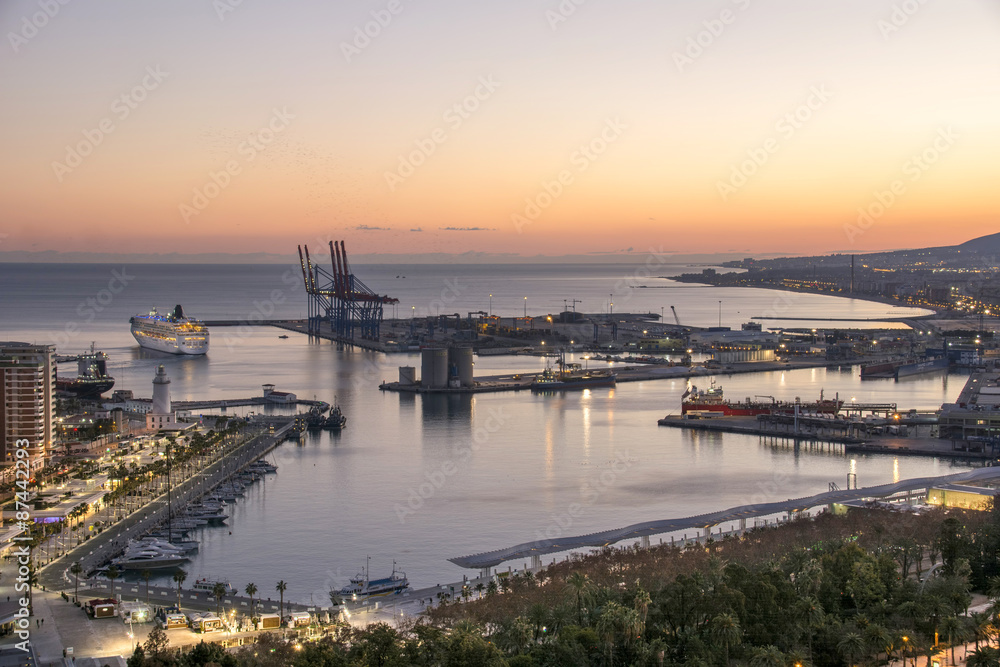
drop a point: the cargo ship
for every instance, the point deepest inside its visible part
(902, 368)
(924, 366)
(173, 333)
(92, 377)
(712, 402)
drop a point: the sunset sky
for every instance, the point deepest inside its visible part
(747, 126)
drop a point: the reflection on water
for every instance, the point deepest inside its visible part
(420, 478)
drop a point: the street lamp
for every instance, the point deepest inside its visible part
(525, 307)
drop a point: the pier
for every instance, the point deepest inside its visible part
(93, 553)
(705, 522)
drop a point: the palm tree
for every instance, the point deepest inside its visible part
(726, 631)
(251, 590)
(980, 625)
(851, 646)
(179, 577)
(955, 629)
(538, 615)
(641, 604)
(281, 600)
(879, 639)
(578, 583)
(492, 589)
(811, 617)
(618, 622)
(219, 591)
(112, 574)
(479, 589)
(146, 574)
(767, 656)
(986, 656)
(75, 569)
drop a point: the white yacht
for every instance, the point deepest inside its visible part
(148, 558)
(173, 333)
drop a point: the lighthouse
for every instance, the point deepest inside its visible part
(161, 391)
(160, 415)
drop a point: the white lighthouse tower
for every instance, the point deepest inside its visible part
(160, 416)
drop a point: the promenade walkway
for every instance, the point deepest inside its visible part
(95, 552)
(705, 521)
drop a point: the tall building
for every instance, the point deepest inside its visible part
(28, 379)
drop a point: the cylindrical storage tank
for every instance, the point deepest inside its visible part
(407, 375)
(461, 358)
(434, 368)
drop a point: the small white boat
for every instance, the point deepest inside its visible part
(208, 585)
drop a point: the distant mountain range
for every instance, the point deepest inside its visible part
(984, 245)
(53, 257)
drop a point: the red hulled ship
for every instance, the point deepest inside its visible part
(712, 403)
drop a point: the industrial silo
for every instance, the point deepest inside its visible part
(434, 368)
(407, 375)
(460, 358)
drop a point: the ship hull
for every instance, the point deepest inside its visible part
(916, 368)
(84, 388)
(177, 346)
(576, 384)
(753, 409)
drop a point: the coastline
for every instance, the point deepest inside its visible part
(935, 312)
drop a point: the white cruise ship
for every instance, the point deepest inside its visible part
(171, 333)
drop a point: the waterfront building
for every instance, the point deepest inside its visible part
(27, 409)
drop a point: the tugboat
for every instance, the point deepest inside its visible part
(92, 378)
(314, 418)
(336, 420)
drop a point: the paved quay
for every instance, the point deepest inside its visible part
(95, 552)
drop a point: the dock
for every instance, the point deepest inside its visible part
(224, 403)
(96, 551)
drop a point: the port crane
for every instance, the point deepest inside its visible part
(475, 329)
(573, 301)
(340, 298)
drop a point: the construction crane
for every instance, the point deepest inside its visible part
(677, 320)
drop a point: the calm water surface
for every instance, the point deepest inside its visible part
(420, 479)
